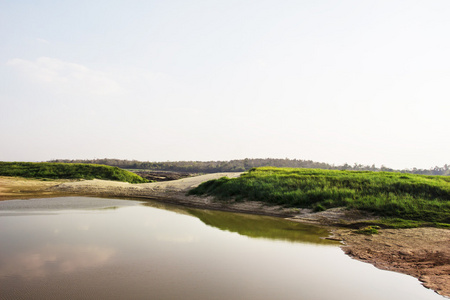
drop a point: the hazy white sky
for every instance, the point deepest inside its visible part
(331, 81)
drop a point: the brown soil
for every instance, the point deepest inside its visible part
(21, 188)
(421, 252)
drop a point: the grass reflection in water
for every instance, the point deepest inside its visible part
(255, 226)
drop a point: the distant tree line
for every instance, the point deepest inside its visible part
(239, 165)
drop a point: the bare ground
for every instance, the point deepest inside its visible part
(421, 252)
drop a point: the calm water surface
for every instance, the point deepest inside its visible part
(91, 248)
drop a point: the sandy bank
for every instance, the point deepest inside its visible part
(421, 252)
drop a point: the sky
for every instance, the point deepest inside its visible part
(331, 81)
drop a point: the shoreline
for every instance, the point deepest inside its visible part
(423, 253)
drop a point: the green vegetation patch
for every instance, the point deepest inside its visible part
(387, 194)
(67, 171)
(369, 230)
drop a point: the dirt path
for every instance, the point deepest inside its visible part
(143, 189)
(421, 252)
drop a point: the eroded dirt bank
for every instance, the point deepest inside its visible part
(421, 252)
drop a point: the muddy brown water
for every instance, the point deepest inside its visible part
(93, 248)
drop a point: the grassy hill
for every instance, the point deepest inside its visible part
(387, 194)
(67, 171)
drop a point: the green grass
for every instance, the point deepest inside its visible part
(387, 194)
(369, 230)
(67, 171)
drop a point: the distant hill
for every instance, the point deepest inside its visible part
(67, 171)
(240, 165)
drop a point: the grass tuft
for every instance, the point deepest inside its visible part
(369, 230)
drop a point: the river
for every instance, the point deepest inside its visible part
(93, 248)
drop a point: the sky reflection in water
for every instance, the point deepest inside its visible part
(155, 251)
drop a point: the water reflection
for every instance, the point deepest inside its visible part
(53, 205)
(263, 227)
(142, 252)
(254, 226)
(48, 259)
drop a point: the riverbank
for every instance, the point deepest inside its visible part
(421, 252)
